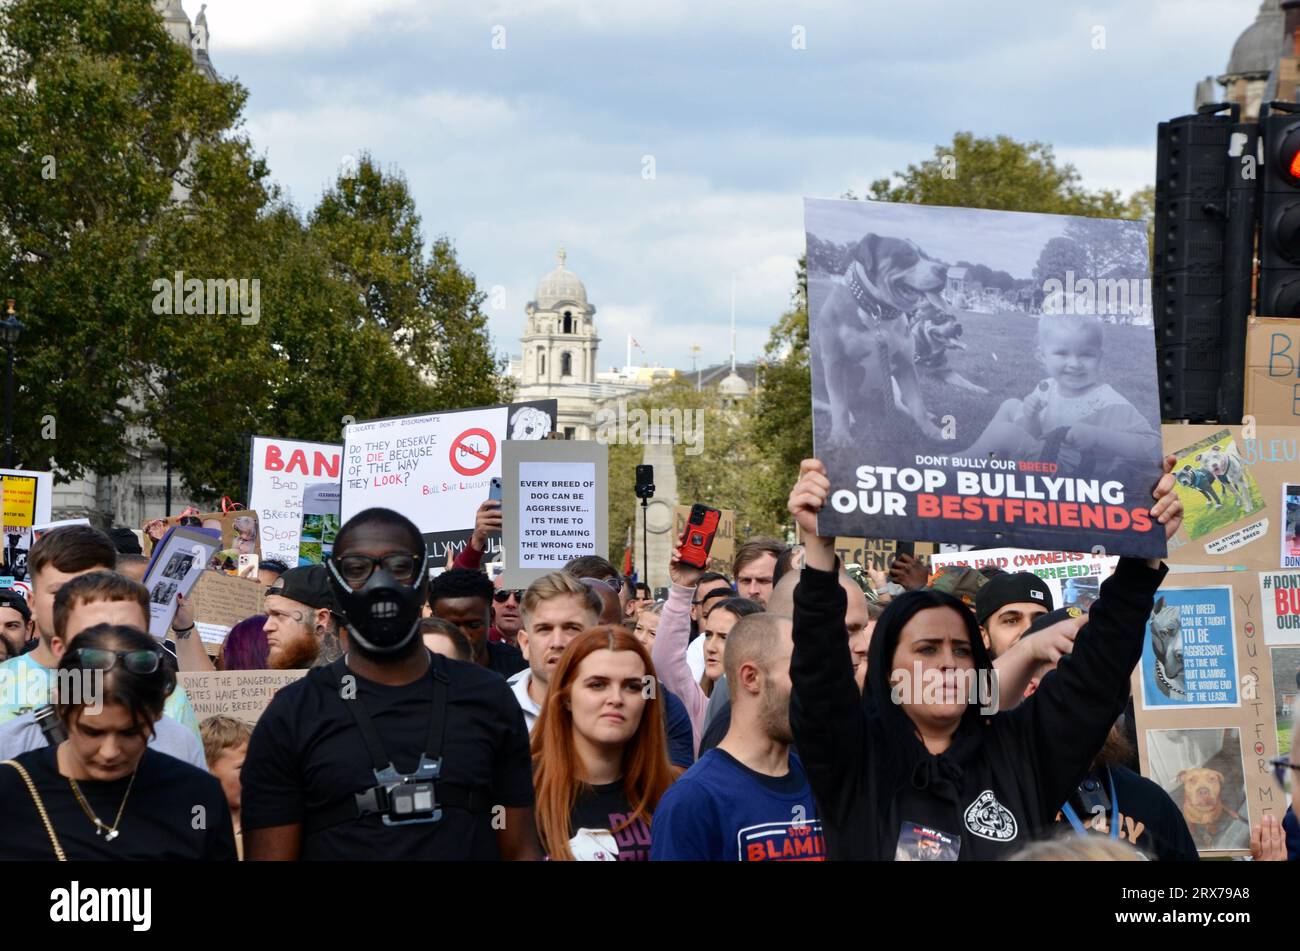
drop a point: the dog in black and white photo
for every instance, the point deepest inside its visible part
(935, 332)
(866, 338)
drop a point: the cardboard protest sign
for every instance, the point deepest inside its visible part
(320, 522)
(554, 506)
(278, 472)
(1233, 485)
(1273, 371)
(983, 377)
(175, 566)
(1204, 699)
(242, 694)
(220, 601)
(435, 468)
(723, 552)
(1074, 578)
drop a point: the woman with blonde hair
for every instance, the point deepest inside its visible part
(600, 752)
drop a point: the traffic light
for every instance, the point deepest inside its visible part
(1188, 285)
(1279, 213)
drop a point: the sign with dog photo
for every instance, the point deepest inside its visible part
(1189, 656)
(1215, 486)
(983, 377)
(1203, 773)
(1233, 482)
(1180, 736)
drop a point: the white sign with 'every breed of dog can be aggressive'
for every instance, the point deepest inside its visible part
(983, 377)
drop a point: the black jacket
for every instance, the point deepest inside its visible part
(1002, 781)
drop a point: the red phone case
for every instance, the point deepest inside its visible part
(697, 537)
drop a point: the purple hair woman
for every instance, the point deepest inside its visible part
(246, 647)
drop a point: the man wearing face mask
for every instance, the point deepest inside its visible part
(390, 751)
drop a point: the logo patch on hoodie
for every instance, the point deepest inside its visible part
(989, 819)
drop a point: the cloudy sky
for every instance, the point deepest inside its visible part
(514, 151)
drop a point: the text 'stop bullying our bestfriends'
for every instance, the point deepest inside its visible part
(983, 377)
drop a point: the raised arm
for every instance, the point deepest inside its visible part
(191, 655)
(826, 714)
(1068, 717)
(671, 638)
(1017, 666)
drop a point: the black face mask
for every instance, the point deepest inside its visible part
(383, 615)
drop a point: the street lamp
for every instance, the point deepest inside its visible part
(10, 329)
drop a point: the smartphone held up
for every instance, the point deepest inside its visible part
(697, 536)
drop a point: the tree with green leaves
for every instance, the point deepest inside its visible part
(121, 166)
(102, 115)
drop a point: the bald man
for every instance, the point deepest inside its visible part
(781, 601)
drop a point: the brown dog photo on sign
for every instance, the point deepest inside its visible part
(1202, 771)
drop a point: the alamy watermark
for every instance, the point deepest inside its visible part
(939, 686)
(26, 689)
(621, 426)
(215, 296)
(1097, 297)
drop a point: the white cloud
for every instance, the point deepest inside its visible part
(1124, 169)
(302, 24)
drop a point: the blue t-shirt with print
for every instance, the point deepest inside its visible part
(722, 811)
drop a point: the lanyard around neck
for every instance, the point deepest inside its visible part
(1079, 827)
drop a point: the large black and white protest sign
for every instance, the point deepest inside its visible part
(983, 377)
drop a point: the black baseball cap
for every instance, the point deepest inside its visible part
(1053, 617)
(9, 598)
(1015, 588)
(307, 585)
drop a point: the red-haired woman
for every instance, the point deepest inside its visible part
(600, 753)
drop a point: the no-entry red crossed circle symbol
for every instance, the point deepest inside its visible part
(478, 446)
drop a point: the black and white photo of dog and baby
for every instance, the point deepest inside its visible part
(965, 333)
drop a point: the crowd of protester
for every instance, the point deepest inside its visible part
(779, 712)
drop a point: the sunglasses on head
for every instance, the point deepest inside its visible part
(504, 595)
(615, 584)
(137, 661)
(191, 521)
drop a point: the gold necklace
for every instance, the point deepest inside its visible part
(100, 827)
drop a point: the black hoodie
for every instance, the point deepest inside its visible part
(1003, 779)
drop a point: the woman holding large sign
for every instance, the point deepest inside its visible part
(924, 747)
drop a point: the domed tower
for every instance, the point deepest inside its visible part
(1255, 56)
(559, 339)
